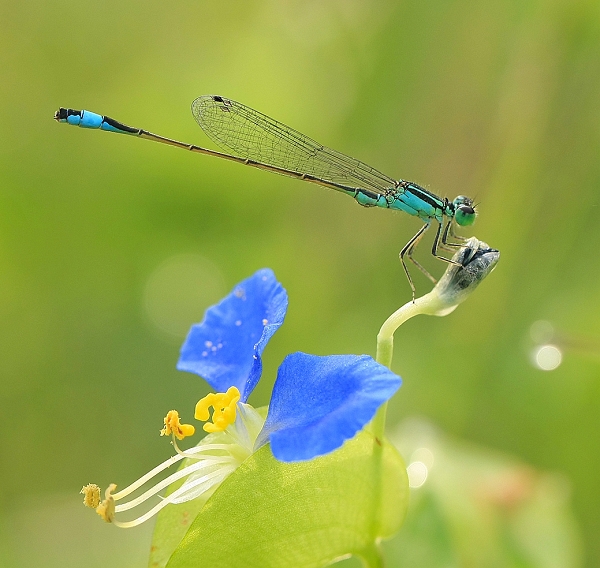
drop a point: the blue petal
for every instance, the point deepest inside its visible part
(226, 348)
(320, 402)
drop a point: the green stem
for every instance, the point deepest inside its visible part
(427, 304)
(372, 556)
(385, 351)
(378, 423)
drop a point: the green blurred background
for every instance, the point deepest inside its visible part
(111, 247)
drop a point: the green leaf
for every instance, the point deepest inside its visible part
(270, 514)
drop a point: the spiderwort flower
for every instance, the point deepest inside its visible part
(317, 403)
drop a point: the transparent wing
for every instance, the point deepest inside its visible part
(253, 135)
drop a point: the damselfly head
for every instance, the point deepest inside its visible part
(464, 211)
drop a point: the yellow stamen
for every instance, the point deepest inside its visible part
(224, 405)
(106, 509)
(91, 493)
(173, 426)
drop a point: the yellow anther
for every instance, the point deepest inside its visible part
(175, 427)
(91, 495)
(224, 409)
(106, 509)
(202, 413)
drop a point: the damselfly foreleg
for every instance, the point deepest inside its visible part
(437, 242)
(449, 230)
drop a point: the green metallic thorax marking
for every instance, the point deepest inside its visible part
(408, 197)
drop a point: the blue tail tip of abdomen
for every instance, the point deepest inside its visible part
(84, 118)
(89, 119)
(61, 114)
(72, 116)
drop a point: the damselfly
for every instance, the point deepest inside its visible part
(259, 141)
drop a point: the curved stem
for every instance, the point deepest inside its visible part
(428, 304)
(372, 556)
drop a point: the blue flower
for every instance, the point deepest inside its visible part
(318, 402)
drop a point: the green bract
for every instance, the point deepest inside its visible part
(291, 515)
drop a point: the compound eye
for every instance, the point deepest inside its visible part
(465, 215)
(461, 200)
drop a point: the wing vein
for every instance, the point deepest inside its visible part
(255, 136)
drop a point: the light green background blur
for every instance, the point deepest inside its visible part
(110, 247)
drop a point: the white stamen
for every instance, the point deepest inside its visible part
(166, 502)
(168, 463)
(207, 462)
